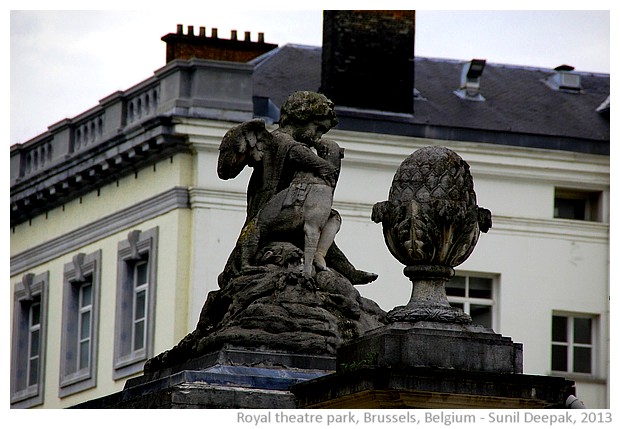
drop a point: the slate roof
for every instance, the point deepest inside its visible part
(287, 69)
(519, 108)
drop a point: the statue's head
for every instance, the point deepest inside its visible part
(302, 107)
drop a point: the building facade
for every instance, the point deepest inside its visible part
(120, 225)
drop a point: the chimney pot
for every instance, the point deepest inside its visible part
(261, 37)
(185, 45)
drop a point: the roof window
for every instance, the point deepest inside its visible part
(470, 80)
(564, 79)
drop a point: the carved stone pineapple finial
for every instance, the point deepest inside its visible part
(431, 223)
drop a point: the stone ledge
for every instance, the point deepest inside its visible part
(229, 378)
(239, 358)
(434, 345)
(431, 388)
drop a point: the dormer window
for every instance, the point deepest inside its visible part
(470, 81)
(564, 79)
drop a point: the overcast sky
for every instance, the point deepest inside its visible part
(63, 62)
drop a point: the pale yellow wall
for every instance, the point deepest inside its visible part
(173, 268)
(129, 190)
(171, 313)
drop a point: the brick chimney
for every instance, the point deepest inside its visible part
(368, 59)
(185, 46)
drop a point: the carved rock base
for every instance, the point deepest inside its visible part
(277, 308)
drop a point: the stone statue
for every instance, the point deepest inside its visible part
(286, 286)
(431, 223)
(291, 188)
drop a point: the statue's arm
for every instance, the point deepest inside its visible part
(304, 158)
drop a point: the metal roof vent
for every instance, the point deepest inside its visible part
(470, 80)
(603, 109)
(564, 79)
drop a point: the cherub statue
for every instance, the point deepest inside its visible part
(290, 192)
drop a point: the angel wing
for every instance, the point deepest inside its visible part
(242, 145)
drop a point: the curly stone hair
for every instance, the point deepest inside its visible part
(303, 106)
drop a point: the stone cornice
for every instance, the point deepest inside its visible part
(102, 164)
(485, 159)
(596, 232)
(125, 131)
(175, 198)
(368, 150)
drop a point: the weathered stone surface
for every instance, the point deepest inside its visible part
(431, 216)
(229, 378)
(431, 223)
(434, 345)
(286, 286)
(384, 387)
(278, 309)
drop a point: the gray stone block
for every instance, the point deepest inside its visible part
(434, 345)
(229, 378)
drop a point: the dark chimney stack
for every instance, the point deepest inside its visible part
(368, 59)
(187, 46)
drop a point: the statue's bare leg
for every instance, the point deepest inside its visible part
(328, 234)
(312, 235)
(317, 211)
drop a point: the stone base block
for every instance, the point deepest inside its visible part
(229, 378)
(433, 345)
(373, 388)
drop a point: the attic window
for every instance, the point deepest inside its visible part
(564, 79)
(577, 204)
(470, 80)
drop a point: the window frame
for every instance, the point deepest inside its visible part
(570, 344)
(592, 200)
(32, 290)
(81, 271)
(467, 301)
(139, 247)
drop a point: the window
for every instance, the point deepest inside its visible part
(474, 295)
(572, 345)
(140, 288)
(29, 340)
(135, 302)
(80, 321)
(578, 205)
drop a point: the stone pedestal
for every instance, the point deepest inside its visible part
(382, 387)
(229, 378)
(434, 345)
(432, 365)
(402, 365)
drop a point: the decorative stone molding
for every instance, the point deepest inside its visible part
(175, 198)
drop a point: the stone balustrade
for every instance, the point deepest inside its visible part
(113, 136)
